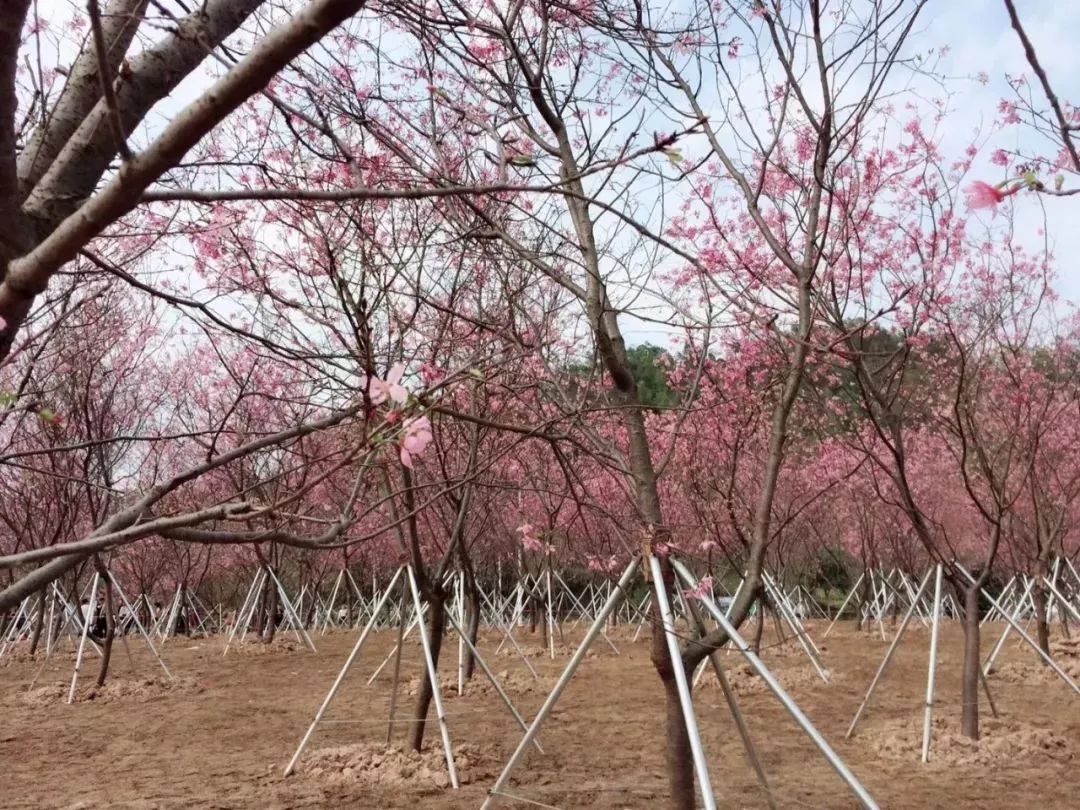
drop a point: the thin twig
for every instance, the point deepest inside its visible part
(106, 80)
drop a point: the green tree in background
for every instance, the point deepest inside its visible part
(651, 377)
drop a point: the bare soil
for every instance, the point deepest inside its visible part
(222, 736)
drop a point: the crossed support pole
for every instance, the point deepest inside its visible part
(499, 789)
(937, 571)
(410, 588)
(251, 606)
(86, 630)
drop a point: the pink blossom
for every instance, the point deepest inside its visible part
(415, 439)
(984, 195)
(703, 590)
(390, 388)
(598, 563)
(529, 539)
(3, 323)
(431, 374)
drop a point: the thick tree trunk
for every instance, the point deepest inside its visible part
(436, 622)
(680, 763)
(969, 693)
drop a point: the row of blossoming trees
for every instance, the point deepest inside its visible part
(369, 298)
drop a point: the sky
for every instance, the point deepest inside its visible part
(979, 40)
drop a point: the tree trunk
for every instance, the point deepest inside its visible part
(1042, 622)
(436, 621)
(110, 634)
(39, 622)
(760, 629)
(270, 612)
(969, 694)
(861, 615)
(680, 762)
(472, 628)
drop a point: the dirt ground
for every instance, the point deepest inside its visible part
(221, 737)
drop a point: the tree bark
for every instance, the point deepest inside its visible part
(472, 627)
(39, 622)
(436, 622)
(969, 691)
(1042, 623)
(271, 605)
(110, 633)
(680, 762)
(759, 631)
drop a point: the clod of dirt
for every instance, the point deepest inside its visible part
(1065, 647)
(1001, 741)
(1036, 671)
(21, 656)
(561, 650)
(513, 683)
(135, 690)
(256, 647)
(745, 681)
(374, 764)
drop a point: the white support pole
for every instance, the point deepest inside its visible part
(888, 655)
(581, 609)
(1062, 599)
(254, 606)
(415, 620)
(934, 628)
(52, 618)
(167, 619)
(1005, 593)
(86, 619)
(12, 634)
(242, 613)
(514, 617)
(1008, 627)
(461, 638)
(139, 624)
(564, 679)
(508, 635)
(433, 674)
(792, 708)
(685, 701)
(297, 624)
(550, 615)
(333, 601)
(491, 677)
(914, 598)
(1053, 579)
(1050, 661)
(340, 677)
(713, 658)
(809, 648)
